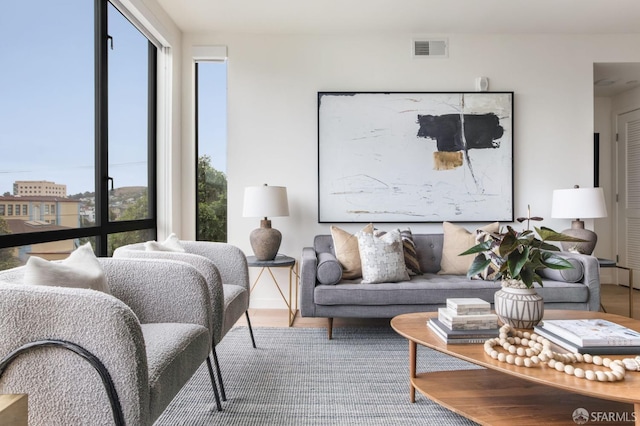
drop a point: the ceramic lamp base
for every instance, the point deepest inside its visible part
(265, 241)
(577, 230)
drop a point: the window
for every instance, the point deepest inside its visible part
(211, 143)
(2, 213)
(95, 107)
(128, 119)
(10, 210)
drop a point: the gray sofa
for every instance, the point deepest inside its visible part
(429, 291)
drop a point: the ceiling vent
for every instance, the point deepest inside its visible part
(430, 48)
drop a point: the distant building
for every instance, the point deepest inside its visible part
(24, 214)
(39, 187)
(47, 210)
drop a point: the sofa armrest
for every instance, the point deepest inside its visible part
(99, 323)
(308, 280)
(591, 276)
(160, 291)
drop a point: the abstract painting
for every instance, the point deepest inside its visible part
(415, 156)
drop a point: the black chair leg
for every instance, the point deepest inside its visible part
(215, 360)
(246, 313)
(213, 383)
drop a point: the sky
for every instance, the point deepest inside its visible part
(47, 98)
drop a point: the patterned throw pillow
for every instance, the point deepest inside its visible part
(382, 258)
(409, 250)
(489, 273)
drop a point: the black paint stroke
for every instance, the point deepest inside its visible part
(481, 131)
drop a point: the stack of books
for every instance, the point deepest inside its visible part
(465, 320)
(590, 336)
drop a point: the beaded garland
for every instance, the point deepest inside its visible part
(529, 350)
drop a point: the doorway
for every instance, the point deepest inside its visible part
(616, 93)
(628, 184)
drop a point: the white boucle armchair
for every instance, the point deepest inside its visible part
(150, 335)
(225, 268)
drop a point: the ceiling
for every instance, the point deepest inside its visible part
(420, 17)
(611, 79)
(411, 16)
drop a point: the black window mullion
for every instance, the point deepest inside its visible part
(102, 125)
(152, 133)
(196, 127)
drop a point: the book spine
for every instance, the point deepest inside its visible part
(462, 334)
(592, 350)
(465, 341)
(454, 341)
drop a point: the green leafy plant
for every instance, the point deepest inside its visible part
(519, 255)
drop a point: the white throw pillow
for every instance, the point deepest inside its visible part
(80, 270)
(382, 257)
(172, 243)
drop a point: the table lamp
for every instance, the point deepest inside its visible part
(265, 201)
(585, 203)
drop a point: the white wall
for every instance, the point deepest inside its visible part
(272, 112)
(169, 128)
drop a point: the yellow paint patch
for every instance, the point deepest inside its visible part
(447, 160)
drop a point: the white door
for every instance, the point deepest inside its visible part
(628, 206)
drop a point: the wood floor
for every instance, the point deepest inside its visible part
(614, 298)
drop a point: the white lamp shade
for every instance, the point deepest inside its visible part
(265, 201)
(578, 203)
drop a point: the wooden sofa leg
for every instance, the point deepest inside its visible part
(329, 327)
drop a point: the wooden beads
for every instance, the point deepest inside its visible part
(524, 349)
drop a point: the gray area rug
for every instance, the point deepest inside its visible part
(298, 377)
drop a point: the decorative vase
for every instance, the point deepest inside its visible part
(518, 306)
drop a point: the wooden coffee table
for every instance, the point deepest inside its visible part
(503, 394)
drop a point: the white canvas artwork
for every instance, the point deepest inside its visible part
(415, 157)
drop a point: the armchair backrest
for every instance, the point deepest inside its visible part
(204, 266)
(97, 322)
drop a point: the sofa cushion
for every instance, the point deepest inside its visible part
(572, 275)
(80, 270)
(434, 289)
(328, 270)
(345, 246)
(457, 240)
(382, 257)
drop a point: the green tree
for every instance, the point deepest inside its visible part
(7, 259)
(211, 201)
(137, 210)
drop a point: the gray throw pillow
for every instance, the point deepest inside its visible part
(382, 258)
(572, 275)
(329, 270)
